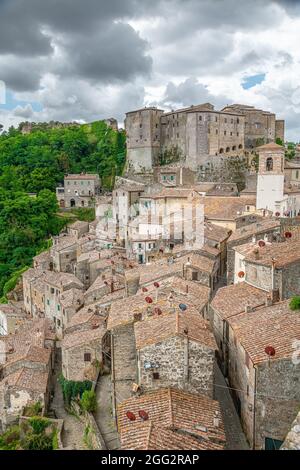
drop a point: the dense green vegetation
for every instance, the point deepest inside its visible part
(36, 163)
(72, 389)
(39, 160)
(26, 223)
(36, 433)
(295, 303)
(88, 401)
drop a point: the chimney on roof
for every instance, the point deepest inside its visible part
(269, 300)
(248, 308)
(256, 253)
(275, 295)
(216, 420)
(187, 288)
(254, 239)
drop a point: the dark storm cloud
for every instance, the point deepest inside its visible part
(86, 59)
(93, 42)
(96, 43)
(20, 31)
(113, 53)
(20, 75)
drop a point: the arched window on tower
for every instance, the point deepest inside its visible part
(269, 164)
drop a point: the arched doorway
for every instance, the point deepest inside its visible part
(72, 203)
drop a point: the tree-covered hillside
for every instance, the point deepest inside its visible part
(39, 160)
(36, 163)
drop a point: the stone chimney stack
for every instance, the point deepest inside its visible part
(132, 282)
(269, 300)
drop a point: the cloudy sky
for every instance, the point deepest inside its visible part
(90, 59)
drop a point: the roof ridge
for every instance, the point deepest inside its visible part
(20, 371)
(171, 410)
(149, 434)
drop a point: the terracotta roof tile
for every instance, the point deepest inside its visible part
(159, 328)
(147, 436)
(283, 253)
(79, 338)
(215, 232)
(231, 300)
(254, 229)
(28, 379)
(277, 326)
(173, 409)
(85, 176)
(124, 311)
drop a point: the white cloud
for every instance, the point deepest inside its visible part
(109, 57)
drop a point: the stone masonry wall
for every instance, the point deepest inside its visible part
(73, 365)
(277, 402)
(170, 356)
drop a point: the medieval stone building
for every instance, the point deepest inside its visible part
(196, 135)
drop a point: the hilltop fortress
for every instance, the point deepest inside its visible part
(197, 134)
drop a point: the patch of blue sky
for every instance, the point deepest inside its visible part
(11, 103)
(253, 80)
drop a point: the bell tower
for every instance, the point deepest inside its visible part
(270, 178)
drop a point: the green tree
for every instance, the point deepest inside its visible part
(88, 401)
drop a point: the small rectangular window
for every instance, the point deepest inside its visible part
(155, 375)
(87, 357)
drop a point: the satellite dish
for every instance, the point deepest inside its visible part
(148, 300)
(277, 214)
(288, 235)
(130, 416)
(270, 351)
(144, 415)
(241, 274)
(183, 307)
(157, 311)
(156, 284)
(144, 289)
(261, 243)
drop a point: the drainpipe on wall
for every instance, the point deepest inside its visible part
(113, 379)
(186, 359)
(254, 408)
